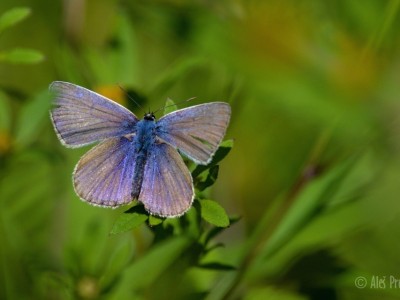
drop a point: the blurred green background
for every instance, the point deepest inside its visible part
(314, 173)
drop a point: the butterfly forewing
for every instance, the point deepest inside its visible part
(167, 188)
(196, 131)
(81, 117)
(103, 176)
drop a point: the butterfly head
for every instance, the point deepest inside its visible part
(149, 116)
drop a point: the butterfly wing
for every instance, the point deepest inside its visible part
(196, 131)
(81, 117)
(167, 187)
(103, 176)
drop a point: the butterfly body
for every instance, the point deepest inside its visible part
(136, 159)
(145, 138)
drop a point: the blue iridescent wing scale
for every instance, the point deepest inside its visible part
(103, 176)
(196, 131)
(167, 188)
(81, 117)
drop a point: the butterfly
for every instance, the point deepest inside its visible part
(135, 159)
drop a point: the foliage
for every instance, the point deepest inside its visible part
(306, 203)
(17, 55)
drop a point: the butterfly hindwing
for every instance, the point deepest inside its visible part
(167, 188)
(81, 117)
(196, 131)
(103, 176)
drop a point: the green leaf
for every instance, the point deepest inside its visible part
(212, 176)
(13, 16)
(222, 151)
(170, 106)
(130, 219)
(214, 213)
(154, 221)
(31, 117)
(217, 266)
(21, 56)
(172, 224)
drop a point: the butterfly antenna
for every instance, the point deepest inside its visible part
(131, 98)
(164, 107)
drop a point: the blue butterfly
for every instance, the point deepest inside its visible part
(136, 159)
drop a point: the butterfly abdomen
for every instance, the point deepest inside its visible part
(144, 140)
